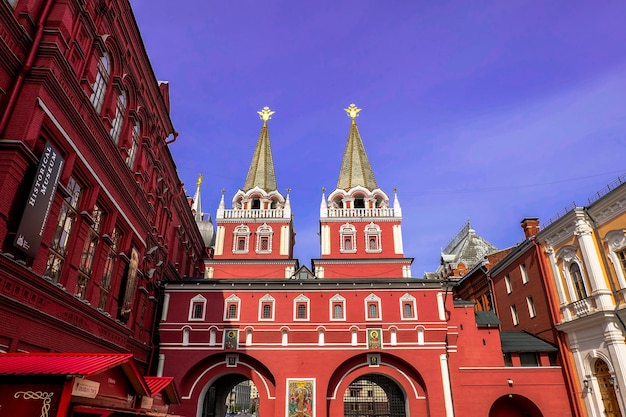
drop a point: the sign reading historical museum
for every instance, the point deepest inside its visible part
(39, 202)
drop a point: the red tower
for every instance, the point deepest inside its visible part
(255, 237)
(360, 234)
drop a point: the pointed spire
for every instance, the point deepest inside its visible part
(397, 210)
(323, 204)
(355, 167)
(222, 206)
(261, 171)
(287, 207)
(196, 207)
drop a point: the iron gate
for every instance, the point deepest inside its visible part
(373, 395)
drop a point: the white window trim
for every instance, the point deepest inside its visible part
(233, 299)
(532, 310)
(524, 272)
(347, 230)
(264, 231)
(267, 299)
(198, 299)
(300, 300)
(514, 315)
(507, 284)
(405, 299)
(241, 231)
(337, 299)
(373, 230)
(373, 298)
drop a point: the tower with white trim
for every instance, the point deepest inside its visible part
(255, 237)
(360, 234)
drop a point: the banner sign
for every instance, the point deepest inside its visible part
(40, 198)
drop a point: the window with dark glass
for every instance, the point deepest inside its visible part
(337, 311)
(197, 310)
(100, 85)
(301, 311)
(89, 249)
(577, 280)
(372, 310)
(408, 310)
(529, 359)
(64, 227)
(109, 265)
(267, 311)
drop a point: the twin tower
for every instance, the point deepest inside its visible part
(360, 233)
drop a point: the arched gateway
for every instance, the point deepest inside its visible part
(374, 395)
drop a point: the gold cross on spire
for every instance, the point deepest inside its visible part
(353, 112)
(266, 114)
(199, 180)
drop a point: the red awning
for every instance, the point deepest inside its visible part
(165, 384)
(72, 364)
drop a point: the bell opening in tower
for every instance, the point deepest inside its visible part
(256, 204)
(359, 202)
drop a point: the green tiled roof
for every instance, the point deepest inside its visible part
(487, 319)
(523, 342)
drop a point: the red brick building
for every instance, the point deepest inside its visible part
(93, 216)
(512, 283)
(357, 336)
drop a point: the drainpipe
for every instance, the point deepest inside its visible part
(571, 383)
(17, 86)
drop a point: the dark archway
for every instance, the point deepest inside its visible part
(374, 395)
(514, 405)
(227, 395)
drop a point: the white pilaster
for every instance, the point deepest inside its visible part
(595, 274)
(447, 390)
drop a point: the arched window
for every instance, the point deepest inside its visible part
(577, 280)
(337, 311)
(118, 121)
(100, 85)
(134, 145)
(372, 310)
(348, 238)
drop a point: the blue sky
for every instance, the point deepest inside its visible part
(490, 111)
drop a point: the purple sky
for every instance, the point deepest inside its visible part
(488, 111)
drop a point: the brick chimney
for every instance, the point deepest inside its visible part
(530, 225)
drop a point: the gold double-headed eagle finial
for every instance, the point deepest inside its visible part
(199, 180)
(266, 114)
(353, 112)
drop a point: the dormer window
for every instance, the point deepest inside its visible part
(241, 239)
(372, 239)
(348, 238)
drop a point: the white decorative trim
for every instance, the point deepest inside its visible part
(299, 301)
(232, 300)
(267, 299)
(411, 301)
(337, 300)
(373, 300)
(198, 300)
(241, 233)
(347, 238)
(264, 232)
(373, 241)
(447, 389)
